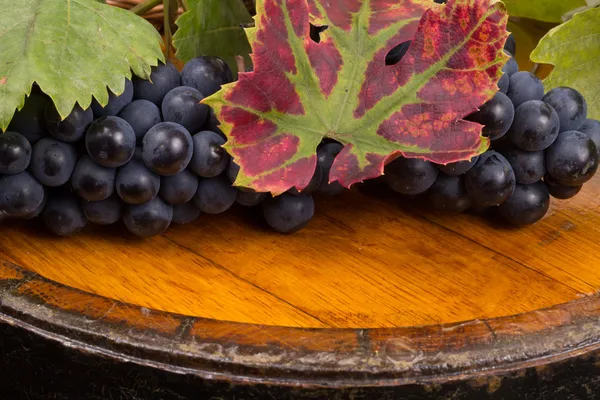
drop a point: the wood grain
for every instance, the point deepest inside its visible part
(366, 260)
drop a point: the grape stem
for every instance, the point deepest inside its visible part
(145, 6)
(241, 63)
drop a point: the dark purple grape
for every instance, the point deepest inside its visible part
(396, 53)
(458, 168)
(206, 74)
(535, 127)
(136, 184)
(215, 195)
(103, 212)
(53, 162)
(525, 86)
(572, 159)
(491, 181)
(209, 159)
(163, 79)
(410, 175)
(92, 181)
(185, 213)
(38, 211)
(167, 148)
(591, 127)
(149, 219)
(63, 214)
(504, 83)
(141, 115)
(569, 105)
(115, 103)
(20, 194)
(110, 141)
(30, 121)
(496, 115)
(448, 194)
(529, 166)
(326, 155)
(511, 44)
(511, 67)
(527, 205)
(250, 199)
(15, 153)
(232, 171)
(73, 127)
(179, 188)
(288, 213)
(562, 192)
(182, 105)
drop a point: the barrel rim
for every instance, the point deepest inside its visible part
(243, 353)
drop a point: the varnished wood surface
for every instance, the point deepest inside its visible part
(366, 260)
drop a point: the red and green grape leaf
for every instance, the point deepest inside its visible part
(302, 91)
(72, 49)
(574, 50)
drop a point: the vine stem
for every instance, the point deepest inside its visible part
(241, 63)
(145, 6)
(167, 26)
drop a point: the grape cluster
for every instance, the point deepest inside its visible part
(542, 146)
(150, 157)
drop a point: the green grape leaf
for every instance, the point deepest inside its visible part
(212, 28)
(73, 49)
(548, 10)
(574, 50)
(340, 87)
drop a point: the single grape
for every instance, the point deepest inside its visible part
(103, 212)
(288, 213)
(163, 78)
(528, 166)
(410, 175)
(326, 155)
(15, 153)
(53, 162)
(215, 195)
(496, 115)
(141, 115)
(115, 103)
(491, 181)
(572, 159)
(136, 184)
(185, 213)
(591, 127)
(511, 44)
(149, 219)
(63, 214)
(558, 191)
(206, 74)
(179, 188)
(30, 121)
(511, 67)
(250, 199)
(527, 205)
(38, 211)
(209, 159)
(167, 148)
(524, 86)
(20, 194)
(92, 181)
(313, 185)
(182, 105)
(72, 128)
(504, 83)
(232, 171)
(458, 168)
(569, 105)
(395, 54)
(110, 141)
(535, 127)
(448, 194)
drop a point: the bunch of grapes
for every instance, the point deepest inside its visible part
(151, 157)
(542, 145)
